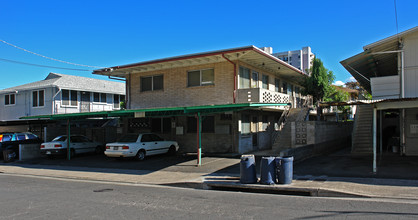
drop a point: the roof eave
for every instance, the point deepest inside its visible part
(108, 71)
(390, 39)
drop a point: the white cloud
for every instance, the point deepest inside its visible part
(339, 83)
(351, 79)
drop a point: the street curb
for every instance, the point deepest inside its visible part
(280, 189)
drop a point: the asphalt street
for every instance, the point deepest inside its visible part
(48, 198)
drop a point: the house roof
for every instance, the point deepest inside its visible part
(72, 82)
(380, 104)
(249, 54)
(345, 89)
(378, 59)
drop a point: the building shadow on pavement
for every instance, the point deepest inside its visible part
(393, 169)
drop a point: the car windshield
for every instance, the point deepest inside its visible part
(129, 138)
(60, 138)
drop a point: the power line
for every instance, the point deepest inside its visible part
(32, 64)
(396, 17)
(50, 58)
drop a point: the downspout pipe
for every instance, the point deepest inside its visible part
(235, 78)
(53, 101)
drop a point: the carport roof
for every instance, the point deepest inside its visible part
(159, 112)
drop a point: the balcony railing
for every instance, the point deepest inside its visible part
(259, 95)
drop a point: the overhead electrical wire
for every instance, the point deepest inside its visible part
(396, 18)
(50, 58)
(32, 64)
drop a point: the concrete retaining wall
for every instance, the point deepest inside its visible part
(321, 137)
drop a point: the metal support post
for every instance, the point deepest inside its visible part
(381, 134)
(68, 139)
(374, 138)
(199, 150)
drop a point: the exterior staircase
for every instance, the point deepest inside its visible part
(282, 139)
(362, 138)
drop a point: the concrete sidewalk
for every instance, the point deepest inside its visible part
(209, 178)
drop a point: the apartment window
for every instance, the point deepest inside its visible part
(200, 77)
(99, 97)
(208, 124)
(152, 83)
(245, 124)
(290, 90)
(10, 99)
(117, 99)
(69, 97)
(38, 98)
(244, 78)
(297, 91)
(265, 81)
(277, 85)
(284, 87)
(265, 122)
(254, 80)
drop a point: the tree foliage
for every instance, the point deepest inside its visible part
(319, 84)
(340, 96)
(363, 94)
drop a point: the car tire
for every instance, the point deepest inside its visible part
(172, 150)
(140, 155)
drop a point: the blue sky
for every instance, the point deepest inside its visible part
(109, 33)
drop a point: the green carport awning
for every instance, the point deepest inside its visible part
(197, 111)
(160, 112)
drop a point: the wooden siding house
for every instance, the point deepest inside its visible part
(388, 69)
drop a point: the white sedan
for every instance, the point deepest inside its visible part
(139, 145)
(78, 144)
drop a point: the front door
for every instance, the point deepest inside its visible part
(254, 131)
(85, 102)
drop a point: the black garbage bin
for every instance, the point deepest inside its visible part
(268, 170)
(285, 169)
(248, 173)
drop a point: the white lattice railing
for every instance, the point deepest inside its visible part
(267, 96)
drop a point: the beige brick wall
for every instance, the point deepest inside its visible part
(176, 93)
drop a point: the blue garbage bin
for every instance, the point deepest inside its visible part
(248, 173)
(285, 169)
(268, 170)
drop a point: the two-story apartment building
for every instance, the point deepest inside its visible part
(59, 93)
(388, 69)
(216, 78)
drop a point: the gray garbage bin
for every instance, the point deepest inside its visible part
(248, 173)
(268, 170)
(285, 169)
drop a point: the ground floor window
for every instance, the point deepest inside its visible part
(161, 125)
(208, 124)
(245, 124)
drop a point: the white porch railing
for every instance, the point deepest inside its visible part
(258, 95)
